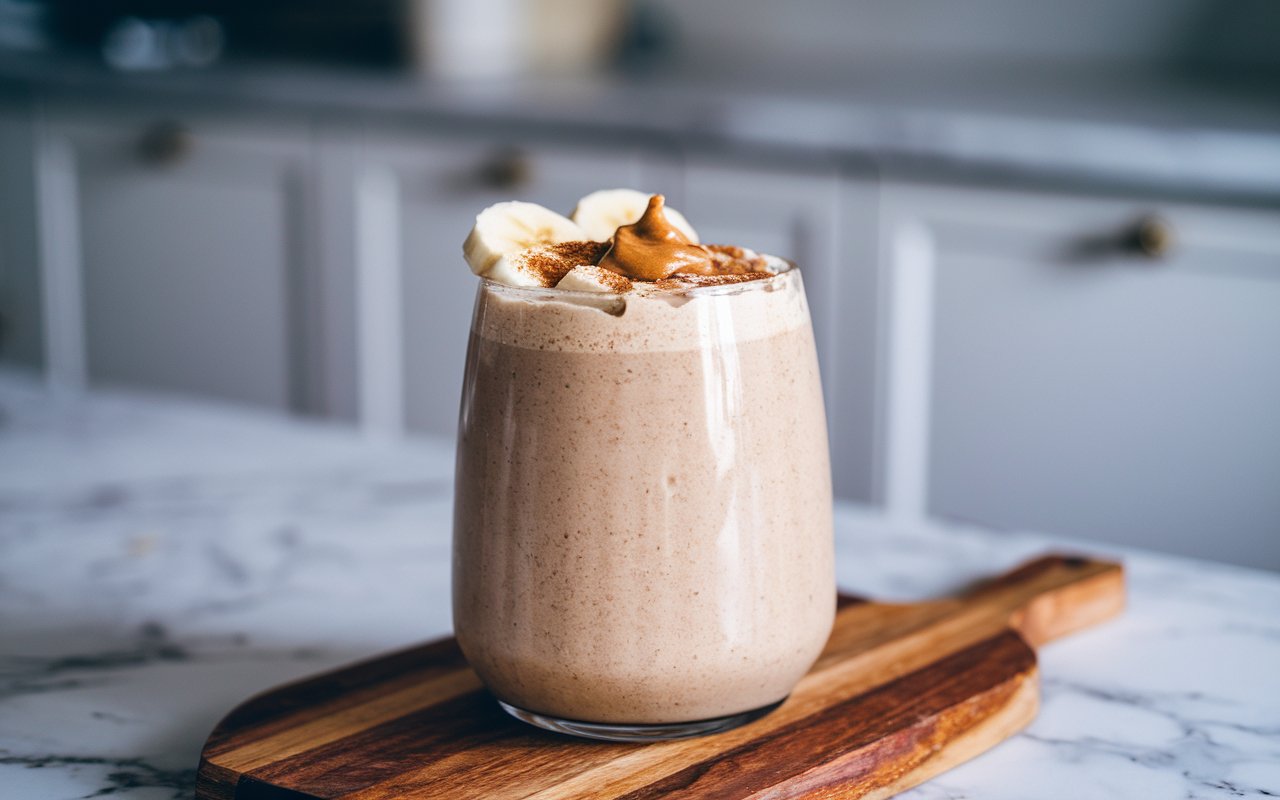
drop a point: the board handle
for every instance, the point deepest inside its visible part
(1053, 596)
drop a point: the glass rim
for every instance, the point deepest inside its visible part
(550, 292)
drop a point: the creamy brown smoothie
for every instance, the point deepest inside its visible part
(643, 505)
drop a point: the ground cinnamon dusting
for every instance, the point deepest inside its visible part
(613, 280)
(603, 280)
(726, 264)
(551, 262)
(682, 280)
(731, 259)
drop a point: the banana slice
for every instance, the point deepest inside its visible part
(590, 278)
(596, 287)
(603, 212)
(545, 264)
(504, 230)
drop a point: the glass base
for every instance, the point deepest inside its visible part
(622, 732)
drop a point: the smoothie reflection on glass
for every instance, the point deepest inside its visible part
(642, 526)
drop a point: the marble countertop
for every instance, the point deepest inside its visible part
(1095, 127)
(161, 560)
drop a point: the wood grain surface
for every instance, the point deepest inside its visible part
(901, 693)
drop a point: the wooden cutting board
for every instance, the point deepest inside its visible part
(901, 693)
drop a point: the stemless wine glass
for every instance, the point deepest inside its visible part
(642, 526)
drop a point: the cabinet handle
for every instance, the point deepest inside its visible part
(165, 144)
(505, 170)
(1149, 237)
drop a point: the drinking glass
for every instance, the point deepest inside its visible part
(642, 525)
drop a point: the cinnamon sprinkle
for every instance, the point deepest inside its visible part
(603, 280)
(726, 264)
(551, 262)
(685, 280)
(733, 260)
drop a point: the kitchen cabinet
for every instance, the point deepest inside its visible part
(826, 224)
(1027, 359)
(174, 254)
(416, 198)
(1085, 366)
(21, 331)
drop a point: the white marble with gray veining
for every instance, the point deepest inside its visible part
(160, 560)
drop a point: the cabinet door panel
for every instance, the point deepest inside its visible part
(21, 315)
(1085, 392)
(187, 264)
(185, 283)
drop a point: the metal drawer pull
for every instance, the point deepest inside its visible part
(505, 170)
(1150, 237)
(165, 144)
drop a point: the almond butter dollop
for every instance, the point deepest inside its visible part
(653, 249)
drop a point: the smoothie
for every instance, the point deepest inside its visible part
(643, 504)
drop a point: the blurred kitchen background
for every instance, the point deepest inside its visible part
(1041, 240)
